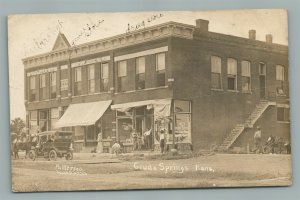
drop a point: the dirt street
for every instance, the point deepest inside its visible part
(141, 173)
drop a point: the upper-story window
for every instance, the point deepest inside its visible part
(231, 74)
(140, 73)
(216, 80)
(262, 69)
(122, 73)
(53, 85)
(161, 69)
(64, 81)
(32, 88)
(104, 77)
(43, 92)
(91, 79)
(246, 76)
(279, 78)
(77, 81)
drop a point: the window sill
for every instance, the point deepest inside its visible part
(217, 90)
(247, 92)
(91, 94)
(280, 95)
(146, 89)
(283, 122)
(236, 91)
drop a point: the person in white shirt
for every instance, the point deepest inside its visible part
(147, 138)
(100, 144)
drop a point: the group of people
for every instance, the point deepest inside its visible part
(141, 140)
(270, 144)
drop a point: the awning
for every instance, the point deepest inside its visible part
(162, 107)
(83, 114)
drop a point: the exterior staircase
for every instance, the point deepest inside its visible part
(249, 123)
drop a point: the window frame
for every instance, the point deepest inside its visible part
(214, 72)
(123, 76)
(246, 76)
(138, 74)
(53, 84)
(102, 79)
(229, 75)
(77, 81)
(91, 80)
(160, 72)
(278, 78)
(32, 90)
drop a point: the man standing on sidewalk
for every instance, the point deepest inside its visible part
(162, 140)
(257, 140)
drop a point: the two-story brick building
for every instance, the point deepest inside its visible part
(204, 88)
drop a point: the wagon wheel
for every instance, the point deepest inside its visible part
(32, 155)
(69, 156)
(52, 155)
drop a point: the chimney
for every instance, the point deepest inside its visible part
(252, 34)
(202, 24)
(269, 38)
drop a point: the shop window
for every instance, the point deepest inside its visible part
(231, 74)
(77, 81)
(182, 106)
(128, 112)
(33, 120)
(104, 77)
(122, 75)
(283, 114)
(43, 92)
(53, 85)
(216, 80)
(125, 127)
(161, 69)
(43, 120)
(91, 79)
(32, 88)
(140, 73)
(90, 134)
(279, 79)
(182, 111)
(246, 76)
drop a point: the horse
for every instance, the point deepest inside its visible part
(24, 145)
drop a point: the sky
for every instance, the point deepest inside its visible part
(30, 35)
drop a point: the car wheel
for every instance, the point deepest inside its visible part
(32, 155)
(52, 155)
(69, 156)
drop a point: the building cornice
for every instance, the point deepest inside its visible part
(169, 29)
(242, 42)
(136, 37)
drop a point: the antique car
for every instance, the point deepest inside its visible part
(53, 144)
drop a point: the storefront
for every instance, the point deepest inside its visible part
(139, 124)
(87, 120)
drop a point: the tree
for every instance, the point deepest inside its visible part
(17, 125)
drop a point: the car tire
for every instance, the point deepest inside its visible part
(52, 155)
(32, 155)
(69, 156)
